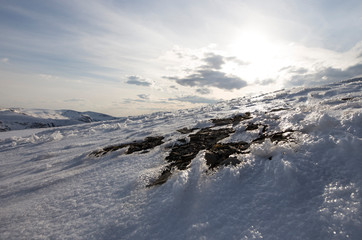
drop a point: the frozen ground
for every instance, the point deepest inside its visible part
(51, 188)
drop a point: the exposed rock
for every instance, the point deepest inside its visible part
(41, 125)
(182, 140)
(219, 154)
(186, 130)
(148, 143)
(347, 98)
(85, 118)
(275, 137)
(281, 136)
(253, 126)
(278, 109)
(4, 128)
(162, 178)
(230, 161)
(233, 120)
(181, 155)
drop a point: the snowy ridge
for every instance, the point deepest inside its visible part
(308, 187)
(19, 118)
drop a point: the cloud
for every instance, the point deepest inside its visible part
(325, 75)
(213, 61)
(193, 99)
(265, 81)
(293, 69)
(135, 80)
(237, 61)
(129, 101)
(143, 96)
(203, 91)
(74, 100)
(48, 76)
(5, 60)
(210, 78)
(210, 75)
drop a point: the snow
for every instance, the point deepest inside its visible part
(51, 188)
(19, 118)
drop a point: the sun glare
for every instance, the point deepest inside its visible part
(253, 46)
(260, 50)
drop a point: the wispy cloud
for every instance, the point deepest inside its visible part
(237, 61)
(74, 100)
(144, 96)
(203, 91)
(265, 81)
(136, 80)
(193, 99)
(5, 60)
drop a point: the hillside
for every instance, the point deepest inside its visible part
(19, 118)
(283, 165)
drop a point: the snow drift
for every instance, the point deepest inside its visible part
(54, 185)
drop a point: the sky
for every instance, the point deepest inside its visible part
(141, 56)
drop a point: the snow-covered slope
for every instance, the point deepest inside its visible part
(297, 173)
(19, 118)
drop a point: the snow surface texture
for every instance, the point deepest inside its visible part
(52, 188)
(19, 118)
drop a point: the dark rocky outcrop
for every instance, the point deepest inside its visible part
(85, 118)
(278, 109)
(220, 154)
(233, 120)
(347, 98)
(41, 125)
(181, 155)
(3, 128)
(144, 146)
(275, 137)
(186, 130)
(253, 126)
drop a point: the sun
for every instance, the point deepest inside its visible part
(252, 45)
(260, 50)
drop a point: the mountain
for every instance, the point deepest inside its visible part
(282, 165)
(19, 118)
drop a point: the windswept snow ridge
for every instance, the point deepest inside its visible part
(298, 175)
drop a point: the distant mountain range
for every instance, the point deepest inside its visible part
(20, 118)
